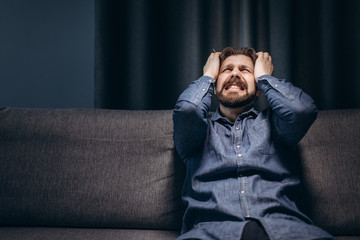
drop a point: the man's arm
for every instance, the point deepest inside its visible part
(293, 110)
(191, 110)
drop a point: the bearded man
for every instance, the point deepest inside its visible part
(240, 178)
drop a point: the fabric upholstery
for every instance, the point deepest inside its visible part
(114, 174)
(89, 168)
(331, 171)
(39, 233)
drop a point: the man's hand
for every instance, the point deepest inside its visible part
(212, 65)
(263, 65)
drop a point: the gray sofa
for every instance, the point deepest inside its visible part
(114, 174)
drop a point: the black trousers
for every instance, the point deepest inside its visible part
(254, 231)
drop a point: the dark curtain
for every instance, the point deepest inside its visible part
(148, 52)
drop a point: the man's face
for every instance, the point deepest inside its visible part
(236, 86)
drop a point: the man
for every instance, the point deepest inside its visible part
(240, 176)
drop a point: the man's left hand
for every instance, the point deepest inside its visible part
(263, 65)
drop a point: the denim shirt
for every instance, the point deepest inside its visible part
(242, 170)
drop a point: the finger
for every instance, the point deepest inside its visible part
(260, 54)
(213, 55)
(266, 54)
(216, 54)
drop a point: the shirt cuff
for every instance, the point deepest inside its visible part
(205, 85)
(272, 81)
(197, 90)
(207, 79)
(206, 82)
(267, 82)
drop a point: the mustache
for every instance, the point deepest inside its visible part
(234, 80)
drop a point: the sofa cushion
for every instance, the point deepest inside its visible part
(40, 233)
(330, 154)
(89, 168)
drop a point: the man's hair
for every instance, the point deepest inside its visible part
(229, 51)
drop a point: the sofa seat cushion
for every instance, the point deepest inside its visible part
(37, 233)
(89, 168)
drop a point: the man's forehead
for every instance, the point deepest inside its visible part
(239, 59)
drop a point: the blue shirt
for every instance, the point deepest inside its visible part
(242, 170)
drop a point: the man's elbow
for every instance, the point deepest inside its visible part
(306, 113)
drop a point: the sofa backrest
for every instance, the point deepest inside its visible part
(89, 168)
(114, 168)
(330, 157)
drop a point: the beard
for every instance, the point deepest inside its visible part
(232, 99)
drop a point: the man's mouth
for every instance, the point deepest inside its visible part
(234, 86)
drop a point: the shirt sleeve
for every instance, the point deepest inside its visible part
(293, 111)
(190, 116)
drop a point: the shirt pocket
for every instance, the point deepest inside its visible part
(260, 136)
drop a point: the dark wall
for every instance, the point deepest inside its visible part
(47, 53)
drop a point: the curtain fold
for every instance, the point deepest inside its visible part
(148, 52)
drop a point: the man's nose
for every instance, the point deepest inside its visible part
(236, 73)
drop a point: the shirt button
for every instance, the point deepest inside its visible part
(242, 191)
(203, 89)
(237, 128)
(276, 85)
(248, 216)
(237, 146)
(239, 155)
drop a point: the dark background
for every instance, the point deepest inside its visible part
(47, 53)
(141, 54)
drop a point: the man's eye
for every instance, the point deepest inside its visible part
(245, 70)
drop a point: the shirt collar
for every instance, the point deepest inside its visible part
(217, 116)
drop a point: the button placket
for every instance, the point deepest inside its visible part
(238, 141)
(243, 197)
(238, 146)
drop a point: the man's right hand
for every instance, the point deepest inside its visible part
(212, 65)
